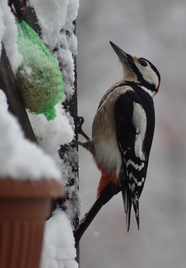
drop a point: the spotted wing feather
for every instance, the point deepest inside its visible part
(134, 165)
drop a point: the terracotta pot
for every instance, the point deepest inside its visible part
(24, 207)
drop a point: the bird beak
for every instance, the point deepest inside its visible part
(124, 57)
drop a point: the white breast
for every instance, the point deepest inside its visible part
(107, 153)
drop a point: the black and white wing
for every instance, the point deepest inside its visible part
(134, 136)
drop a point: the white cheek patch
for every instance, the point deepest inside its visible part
(149, 75)
(139, 120)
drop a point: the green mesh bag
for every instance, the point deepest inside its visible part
(39, 77)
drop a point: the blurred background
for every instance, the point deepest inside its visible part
(155, 30)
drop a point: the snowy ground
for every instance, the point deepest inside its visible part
(156, 31)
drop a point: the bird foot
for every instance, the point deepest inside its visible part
(80, 121)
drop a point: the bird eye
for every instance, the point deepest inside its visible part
(143, 62)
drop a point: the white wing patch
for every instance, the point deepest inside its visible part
(139, 120)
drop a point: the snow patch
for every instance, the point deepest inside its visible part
(51, 16)
(56, 19)
(8, 35)
(58, 244)
(51, 134)
(20, 158)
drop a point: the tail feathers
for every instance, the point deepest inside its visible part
(127, 205)
(135, 202)
(86, 220)
(102, 199)
(128, 201)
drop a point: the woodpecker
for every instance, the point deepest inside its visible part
(122, 134)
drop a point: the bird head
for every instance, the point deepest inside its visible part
(139, 70)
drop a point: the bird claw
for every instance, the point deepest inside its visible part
(80, 121)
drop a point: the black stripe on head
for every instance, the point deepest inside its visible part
(136, 70)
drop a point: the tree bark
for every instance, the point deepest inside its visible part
(70, 105)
